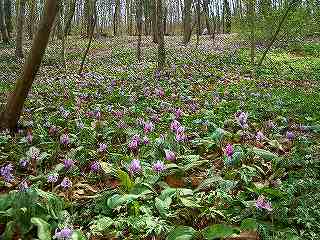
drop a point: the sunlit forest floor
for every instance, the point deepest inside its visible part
(271, 121)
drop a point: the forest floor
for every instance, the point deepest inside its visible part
(244, 151)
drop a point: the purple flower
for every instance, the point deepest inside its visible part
(260, 136)
(64, 139)
(95, 166)
(66, 183)
(262, 203)
(290, 135)
(29, 137)
(53, 130)
(6, 172)
(229, 150)
(64, 234)
(241, 118)
(158, 167)
(53, 178)
(23, 163)
(23, 186)
(102, 147)
(148, 127)
(146, 140)
(178, 113)
(68, 163)
(175, 125)
(135, 166)
(170, 156)
(159, 92)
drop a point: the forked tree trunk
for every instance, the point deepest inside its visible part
(139, 27)
(3, 29)
(12, 111)
(187, 21)
(20, 23)
(161, 48)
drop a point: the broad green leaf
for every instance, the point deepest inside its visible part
(44, 232)
(181, 233)
(78, 235)
(219, 231)
(249, 224)
(9, 231)
(102, 224)
(267, 155)
(125, 180)
(189, 203)
(194, 165)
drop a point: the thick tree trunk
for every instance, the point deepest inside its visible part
(20, 24)
(8, 16)
(72, 8)
(11, 114)
(187, 21)
(147, 14)
(161, 47)
(3, 29)
(139, 27)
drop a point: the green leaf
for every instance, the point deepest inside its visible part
(194, 165)
(106, 167)
(181, 233)
(102, 224)
(115, 201)
(219, 231)
(267, 155)
(125, 180)
(10, 230)
(44, 232)
(189, 203)
(249, 224)
(163, 206)
(78, 235)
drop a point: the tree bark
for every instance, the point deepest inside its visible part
(227, 16)
(187, 21)
(139, 27)
(12, 111)
(3, 29)
(31, 17)
(206, 13)
(71, 12)
(198, 14)
(20, 24)
(161, 47)
(154, 21)
(251, 9)
(116, 19)
(8, 16)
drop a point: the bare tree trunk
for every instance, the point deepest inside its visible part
(251, 9)
(12, 111)
(3, 29)
(154, 21)
(31, 17)
(116, 20)
(198, 14)
(139, 27)
(91, 36)
(20, 23)
(274, 37)
(62, 25)
(67, 26)
(206, 12)
(8, 18)
(161, 47)
(227, 16)
(187, 21)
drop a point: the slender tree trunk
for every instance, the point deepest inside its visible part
(3, 29)
(187, 21)
(154, 21)
(198, 14)
(251, 10)
(116, 20)
(227, 17)
(71, 12)
(274, 37)
(165, 17)
(161, 47)
(139, 27)
(91, 36)
(12, 111)
(63, 45)
(20, 24)
(206, 12)
(31, 18)
(8, 18)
